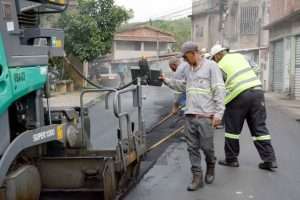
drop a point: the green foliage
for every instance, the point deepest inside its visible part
(181, 28)
(89, 30)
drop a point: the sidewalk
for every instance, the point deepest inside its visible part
(73, 99)
(289, 106)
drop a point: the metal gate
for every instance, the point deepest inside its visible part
(277, 67)
(297, 71)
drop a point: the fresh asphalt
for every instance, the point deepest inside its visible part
(168, 179)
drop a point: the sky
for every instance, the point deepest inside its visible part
(152, 9)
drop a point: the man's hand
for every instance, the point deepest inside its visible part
(216, 121)
(162, 77)
(175, 108)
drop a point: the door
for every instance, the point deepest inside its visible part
(277, 71)
(297, 71)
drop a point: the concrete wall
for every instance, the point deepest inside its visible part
(128, 52)
(233, 36)
(281, 31)
(287, 32)
(232, 29)
(211, 33)
(296, 27)
(264, 66)
(206, 15)
(201, 22)
(204, 5)
(282, 8)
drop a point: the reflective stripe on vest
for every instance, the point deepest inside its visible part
(240, 75)
(232, 136)
(176, 92)
(198, 91)
(262, 138)
(235, 75)
(219, 85)
(243, 82)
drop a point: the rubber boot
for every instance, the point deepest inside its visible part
(210, 172)
(268, 165)
(229, 163)
(196, 183)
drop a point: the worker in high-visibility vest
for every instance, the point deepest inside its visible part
(244, 101)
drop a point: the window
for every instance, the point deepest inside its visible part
(163, 47)
(249, 22)
(150, 46)
(128, 46)
(6, 6)
(198, 31)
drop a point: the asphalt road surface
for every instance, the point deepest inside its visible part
(169, 178)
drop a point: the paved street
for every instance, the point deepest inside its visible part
(157, 103)
(169, 177)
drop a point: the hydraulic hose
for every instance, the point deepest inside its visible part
(91, 82)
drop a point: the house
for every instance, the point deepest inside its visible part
(284, 29)
(139, 41)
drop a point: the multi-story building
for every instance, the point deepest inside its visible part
(206, 22)
(284, 29)
(233, 23)
(236, 24)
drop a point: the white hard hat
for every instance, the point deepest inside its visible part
(217, 49)
(207, 55)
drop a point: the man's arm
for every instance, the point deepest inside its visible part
(181, 71)
(178, 85)
(218, 87)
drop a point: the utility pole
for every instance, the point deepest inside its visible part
(223, 17)
(158, 45)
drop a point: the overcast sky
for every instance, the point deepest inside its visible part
(146, 9)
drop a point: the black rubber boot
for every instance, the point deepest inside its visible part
(196, 183)
(229, 164)
(268, 166)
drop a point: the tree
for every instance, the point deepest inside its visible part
(181, 28)
(89, 30)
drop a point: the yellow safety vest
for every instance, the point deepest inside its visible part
(240, 75)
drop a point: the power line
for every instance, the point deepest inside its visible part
(188, 12)
(177, 13)
(170, 11)
(181, 12)
(180, 15)
(174, 14)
